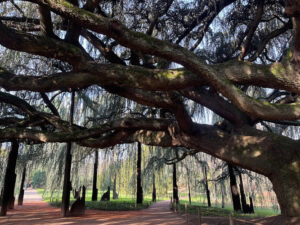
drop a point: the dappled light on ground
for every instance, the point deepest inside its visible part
(36, 212)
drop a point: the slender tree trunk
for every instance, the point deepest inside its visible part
(234, 189)
(115, 194)
(153, 188)
(207, 189)
(95, 190)
(175, 187)
(223, 195)
(21, 194)
(139, 188)
(10, 178)
(67, 173)
(189, 187)
(243, 197)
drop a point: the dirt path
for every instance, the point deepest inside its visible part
(36, 212)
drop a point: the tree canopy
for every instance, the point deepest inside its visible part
(238, 58)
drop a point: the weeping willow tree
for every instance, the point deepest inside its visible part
(169, 54)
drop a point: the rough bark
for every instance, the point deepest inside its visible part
(10, 178)
(67, 187)
(21, 194)
(95, 190)
(286, 183)
(139, 188)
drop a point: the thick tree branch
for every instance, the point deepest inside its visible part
(149, 45)
(32, 112)
(43, 46)
(218, 105)
(247, 147)
(170, 101)
(77, 135)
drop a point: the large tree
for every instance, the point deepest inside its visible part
(163, 54)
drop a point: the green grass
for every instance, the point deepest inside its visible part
(228, 210)
(128, 203)
(121, 204)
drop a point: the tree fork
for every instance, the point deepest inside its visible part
(68, 162)
(9, 179)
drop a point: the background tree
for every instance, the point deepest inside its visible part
(39, 179)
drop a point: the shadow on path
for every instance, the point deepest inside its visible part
(36, 212)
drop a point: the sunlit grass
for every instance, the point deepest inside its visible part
(128, 203)
(122, 204)
(226, 211)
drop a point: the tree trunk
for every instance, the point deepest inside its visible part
(21, 194)
(189, 188)
(234, 189)
(115, 194)
(67, 173)
(139, 188)
(243, 197)
(153, 188)
(10, 178)
(286, 183)
(223, 192)
(95, 190)
(206, 188)
(175, 187)
(11, 203)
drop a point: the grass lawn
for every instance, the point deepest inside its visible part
(121, 204)
(128, 203)
(218, 211)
